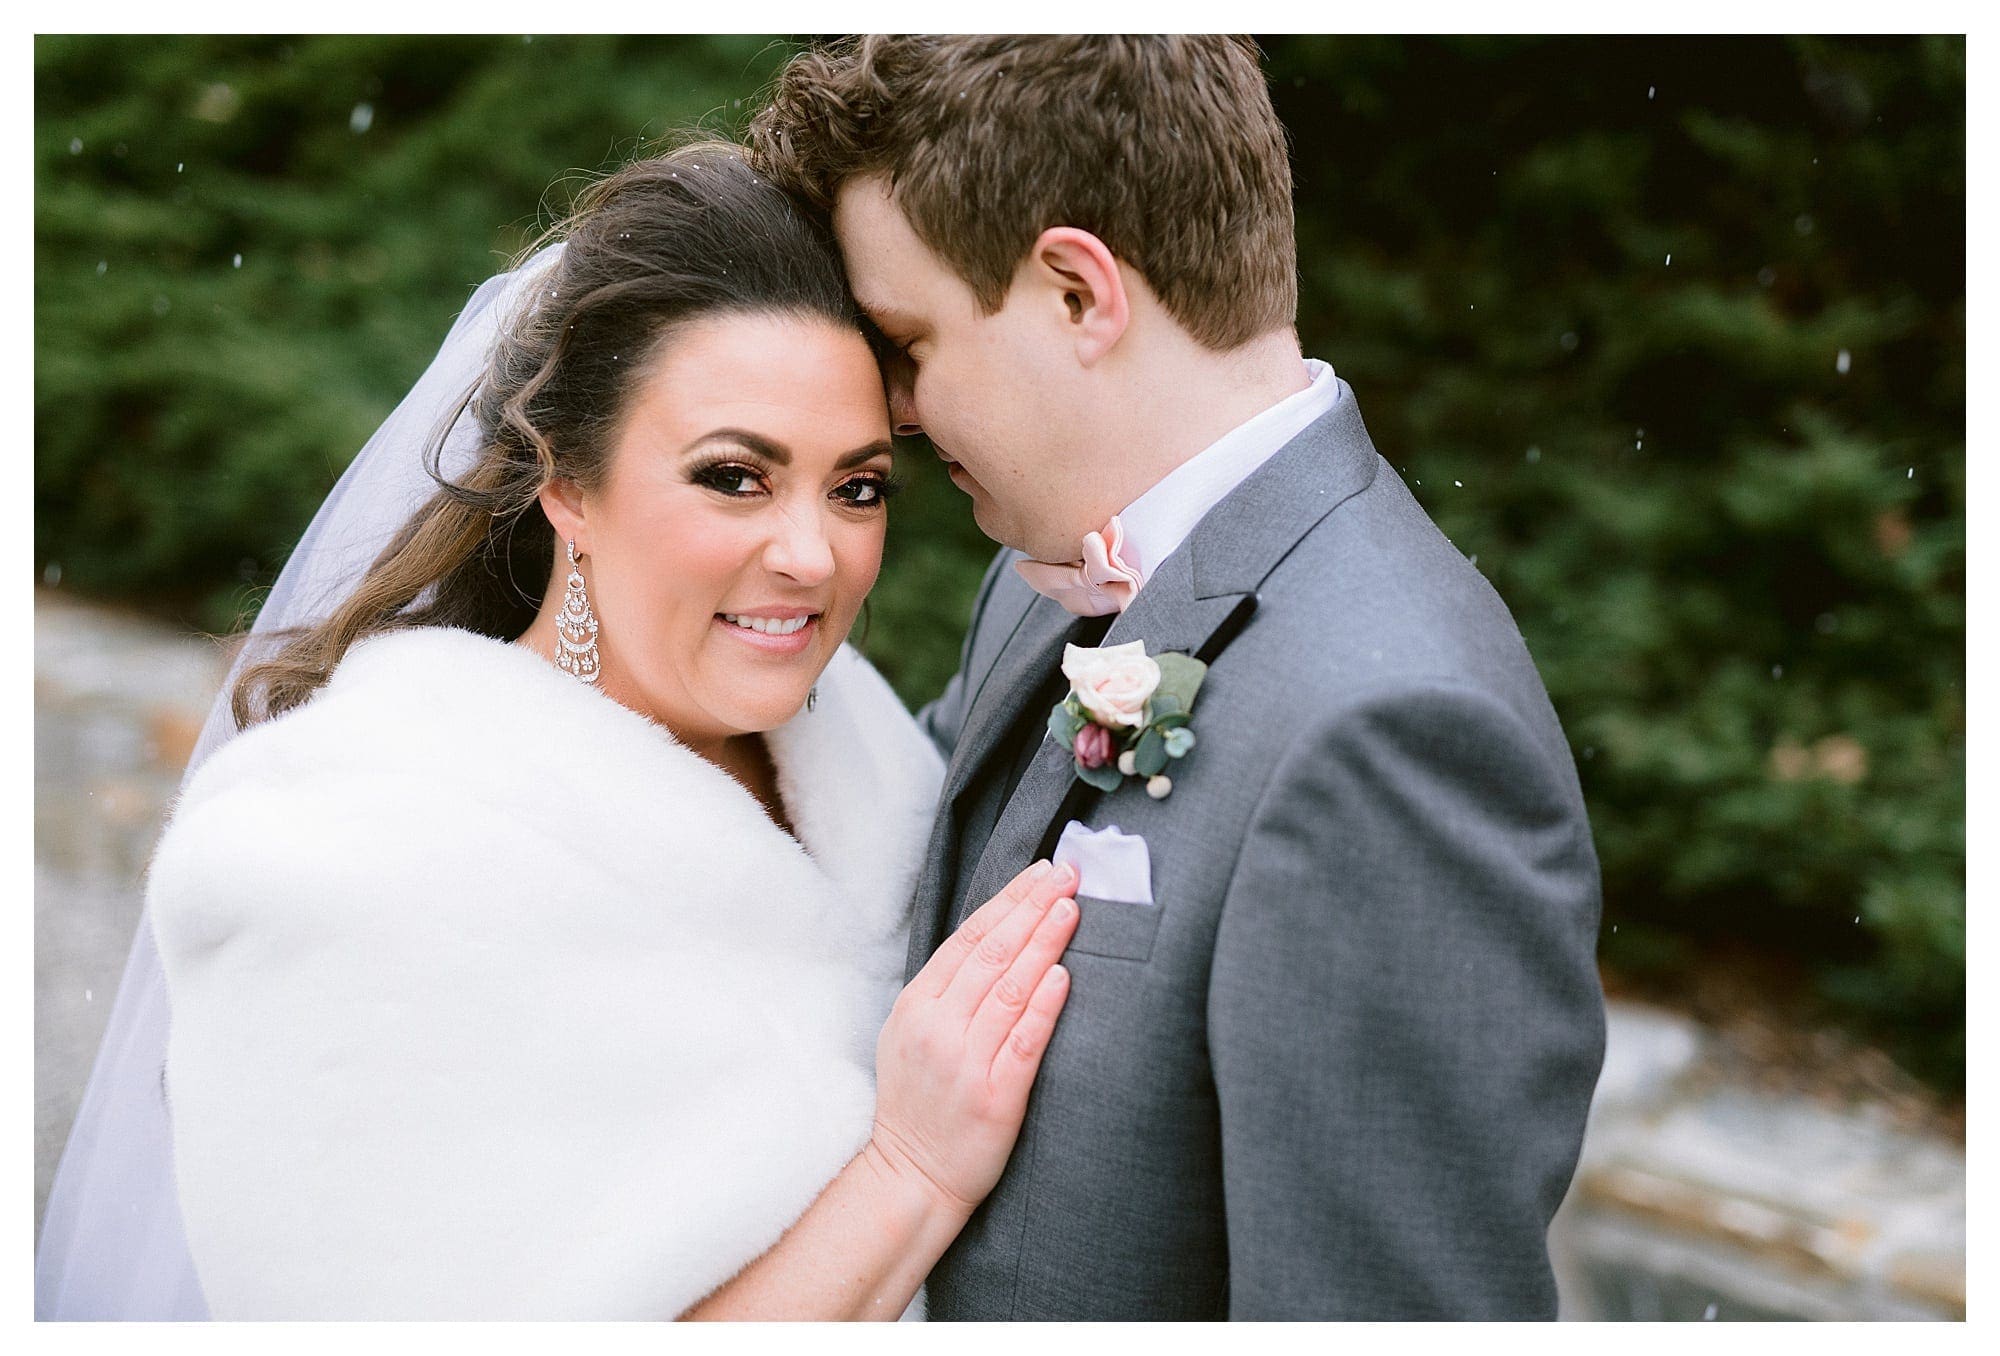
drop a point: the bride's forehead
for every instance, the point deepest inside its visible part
(816, 389)
(760, 351)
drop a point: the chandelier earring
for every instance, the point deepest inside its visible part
(576, 627)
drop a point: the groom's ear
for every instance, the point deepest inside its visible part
(1076, 268)
(562, 504)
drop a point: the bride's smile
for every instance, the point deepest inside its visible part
(781, 631)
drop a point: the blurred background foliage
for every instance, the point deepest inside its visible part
(1667, 334)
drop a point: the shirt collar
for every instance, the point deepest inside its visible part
(1158, 521)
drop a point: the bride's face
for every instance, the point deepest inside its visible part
(739, 524)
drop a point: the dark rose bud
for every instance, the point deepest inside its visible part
(1095, 746)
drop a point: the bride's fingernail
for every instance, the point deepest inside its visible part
(1065, 875)
(1037, 871)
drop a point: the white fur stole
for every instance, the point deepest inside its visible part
(489, 1000)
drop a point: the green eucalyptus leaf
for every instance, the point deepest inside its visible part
(1064, 724)
(1151, 755)
(1180, 679)
(1104, 778)
(1178, 741)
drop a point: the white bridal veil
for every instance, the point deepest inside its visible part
(112, 1243)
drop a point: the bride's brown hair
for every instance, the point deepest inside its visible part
(663, 241)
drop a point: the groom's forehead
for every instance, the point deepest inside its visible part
(887, 262)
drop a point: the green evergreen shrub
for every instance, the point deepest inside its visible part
(1669, 336)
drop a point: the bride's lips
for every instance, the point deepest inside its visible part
(786, 643)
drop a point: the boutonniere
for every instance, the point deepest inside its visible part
(1127, 713)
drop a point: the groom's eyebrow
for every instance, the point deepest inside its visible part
(888, 317)
(780, 455)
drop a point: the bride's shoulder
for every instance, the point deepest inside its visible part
(393, 698)
(407, 748)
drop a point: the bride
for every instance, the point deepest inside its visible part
(536, 950)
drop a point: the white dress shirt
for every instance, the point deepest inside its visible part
(1158, 521)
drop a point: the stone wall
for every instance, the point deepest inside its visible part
(1698, 1200)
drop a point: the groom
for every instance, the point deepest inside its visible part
(1334, 1018)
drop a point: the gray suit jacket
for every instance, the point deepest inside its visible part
(1339, 1069)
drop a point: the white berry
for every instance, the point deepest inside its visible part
(1157, 787)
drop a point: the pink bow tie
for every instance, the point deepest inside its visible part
(1095, 586)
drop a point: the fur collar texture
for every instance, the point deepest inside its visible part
(490, 1000)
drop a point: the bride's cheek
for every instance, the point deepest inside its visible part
(864, 557)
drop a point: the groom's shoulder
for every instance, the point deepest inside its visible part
(1375, 598)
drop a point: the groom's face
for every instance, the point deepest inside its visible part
(993, 392)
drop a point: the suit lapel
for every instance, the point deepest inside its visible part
(1031, 653)
(1196, 603)
(1167, 616)
(1029, 656)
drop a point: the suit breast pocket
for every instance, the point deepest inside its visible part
(1112, 927)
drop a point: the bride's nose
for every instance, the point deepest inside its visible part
(798, 549)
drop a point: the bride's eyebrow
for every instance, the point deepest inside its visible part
(780, 455)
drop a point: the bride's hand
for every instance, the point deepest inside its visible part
(965, 1039)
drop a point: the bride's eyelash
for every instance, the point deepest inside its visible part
(886, 487)
(717, 473)
(724, 474)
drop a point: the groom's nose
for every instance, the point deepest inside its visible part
(901, 386)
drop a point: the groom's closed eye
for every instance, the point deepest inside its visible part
(898, 341)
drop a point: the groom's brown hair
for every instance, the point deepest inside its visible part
(1166, 148)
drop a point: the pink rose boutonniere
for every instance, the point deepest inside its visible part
(1127, 714)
